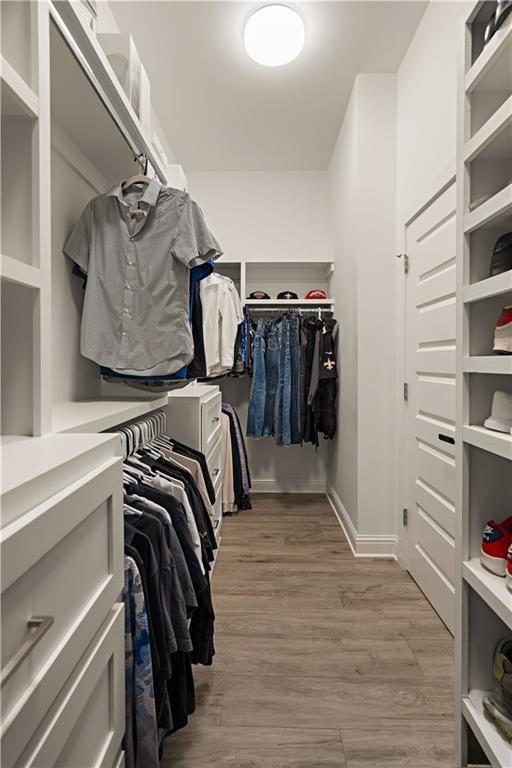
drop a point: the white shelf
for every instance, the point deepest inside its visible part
(18, 99)
(491, 70)
(498, 443)
(34, 468)
(491, 588)
(16, 271)
(99, 415)
(494, 139)
(501, 364)
(290, 302)
(97, 63)
(497, 750)
(495, 212)
(486, 289)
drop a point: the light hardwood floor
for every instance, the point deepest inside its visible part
(323, 661)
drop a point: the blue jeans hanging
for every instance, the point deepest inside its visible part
(272, 377)
(283, 399)
(256, 414)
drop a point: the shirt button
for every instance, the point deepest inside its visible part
(124, 333)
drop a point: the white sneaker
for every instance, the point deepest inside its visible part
(501, 413)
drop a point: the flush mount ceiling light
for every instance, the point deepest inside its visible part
(274, 35)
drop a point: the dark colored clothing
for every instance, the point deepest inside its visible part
(201, 625)
(184, 450)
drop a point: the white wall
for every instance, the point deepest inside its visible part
(362, 204)
(427, 105)
(270, 216)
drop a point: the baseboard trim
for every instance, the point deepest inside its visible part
(288, 486)
(362, 545)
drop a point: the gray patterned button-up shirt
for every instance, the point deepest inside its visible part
(137, 248)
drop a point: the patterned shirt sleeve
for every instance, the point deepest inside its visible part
(78, 244)
(194, 243)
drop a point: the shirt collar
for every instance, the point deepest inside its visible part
(150, 195)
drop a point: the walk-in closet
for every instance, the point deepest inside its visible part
(256, 384)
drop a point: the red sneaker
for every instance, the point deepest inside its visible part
(497, 539)
(508, 573)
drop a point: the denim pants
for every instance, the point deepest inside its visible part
(256, 414)
(283, 398)
(272, 378)
(295, 351)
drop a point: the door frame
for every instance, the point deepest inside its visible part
(442, 182)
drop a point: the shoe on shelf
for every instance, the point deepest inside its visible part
(496, 543)
(501, 413)
(501, 255)
(508, 574)
(498, 703)
(503, 333)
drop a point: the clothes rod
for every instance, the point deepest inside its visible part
(79, 56)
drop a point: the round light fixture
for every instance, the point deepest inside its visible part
(274, 35)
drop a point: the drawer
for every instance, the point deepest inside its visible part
(214, 462)
(62, 560)
(210, 422)
(85, 724)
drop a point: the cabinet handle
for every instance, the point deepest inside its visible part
(216, 419)
(41, 624)
(446, 439)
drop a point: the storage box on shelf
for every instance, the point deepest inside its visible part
(484, 456)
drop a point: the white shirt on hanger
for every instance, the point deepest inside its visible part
(222, 314)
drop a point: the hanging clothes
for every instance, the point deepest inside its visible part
(294, 379)
(137, 247)
(241, 479)
(222, 315)
(169, 545)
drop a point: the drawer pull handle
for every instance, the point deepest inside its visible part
(41, 624)
(446, 439)
(216, 419)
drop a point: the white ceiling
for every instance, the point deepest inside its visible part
(222, 111)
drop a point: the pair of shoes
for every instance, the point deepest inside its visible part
(503, 333)
(500, 419)
(503, 8)
(498, 703)
(496, 551)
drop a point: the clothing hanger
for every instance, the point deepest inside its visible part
(139, 178)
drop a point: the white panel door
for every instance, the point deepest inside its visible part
(431, 403)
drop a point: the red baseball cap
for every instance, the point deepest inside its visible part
(316, 293)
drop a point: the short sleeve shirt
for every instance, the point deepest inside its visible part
(137, 249)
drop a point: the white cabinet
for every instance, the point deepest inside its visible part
(61, 547)
(194, 418)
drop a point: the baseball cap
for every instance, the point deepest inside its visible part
(316, 293)
(287, 295)
(258, 295)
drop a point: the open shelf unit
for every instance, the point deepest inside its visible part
(484, 456)
(278, 277)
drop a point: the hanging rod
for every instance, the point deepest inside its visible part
(138, 156)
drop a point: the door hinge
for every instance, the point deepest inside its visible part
(405, 516)
(406, 391)
(405, 261)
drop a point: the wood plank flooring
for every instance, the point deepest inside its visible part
(323, 661)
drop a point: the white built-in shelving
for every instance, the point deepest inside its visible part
(496, 750)
(484, 456)
(18, 98)
(272, 302)
(98, 415)
(491, 588)
(486, 289)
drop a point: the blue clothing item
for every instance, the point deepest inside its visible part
(244, 340)
(256, 413)
(141, 736)
(279, 390)
(295, 431)
(272, 372)
(285, 409)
